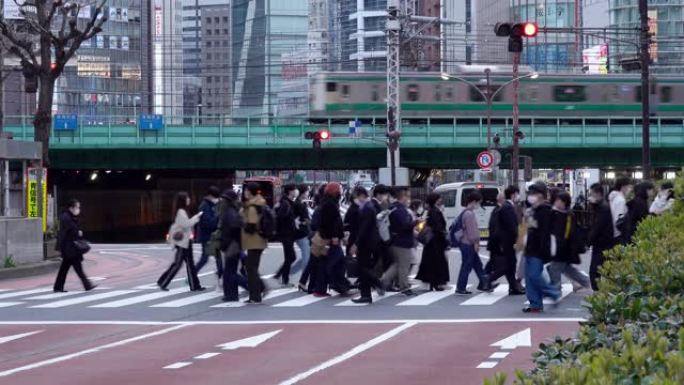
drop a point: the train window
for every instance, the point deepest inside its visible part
(569, 93)
(637, 94)
(449, 93)
(345, 90)
(375, 93)
(665, 94)
(413, 93)
(476, 96)
(331, 87)
(438, 93)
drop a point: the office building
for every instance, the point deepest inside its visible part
(215, 59)
(168, 59)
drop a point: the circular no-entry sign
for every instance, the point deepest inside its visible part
(485, 160)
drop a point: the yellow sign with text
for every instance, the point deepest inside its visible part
(32, 200)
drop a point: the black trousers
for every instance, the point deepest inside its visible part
(366, 272)
(597, 259)
(290, 256)
(254, 282)
(68, 263)
(182, 256)
(504, 264)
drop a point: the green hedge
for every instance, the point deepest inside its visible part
(634, 333)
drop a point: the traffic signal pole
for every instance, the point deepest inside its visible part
(515, 158)
(645, 91)
(393, 110)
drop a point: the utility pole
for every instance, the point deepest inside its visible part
(393, 103)
(515, 157)
(645, 90)
(488, 72)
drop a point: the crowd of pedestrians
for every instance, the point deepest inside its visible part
(374, 246)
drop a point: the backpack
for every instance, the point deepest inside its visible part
(267, 222)
(456, 231)
(383, 220)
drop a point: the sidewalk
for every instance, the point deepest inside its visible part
(32, 269)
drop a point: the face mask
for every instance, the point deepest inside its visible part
(533, 199)
(358, 202)
(593, 199)
(76, 212)
(516, 198)
(420, 211)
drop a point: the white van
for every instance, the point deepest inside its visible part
(454, 197)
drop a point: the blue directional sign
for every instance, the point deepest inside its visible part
(66, 122)
(151, 122)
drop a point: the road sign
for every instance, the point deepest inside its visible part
(485, 160)
(355, 128)
(32, 194)
(151, 122)
(65, 122)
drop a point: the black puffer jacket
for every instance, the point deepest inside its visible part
(69, 228)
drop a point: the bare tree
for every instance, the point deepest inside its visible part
(54, 25)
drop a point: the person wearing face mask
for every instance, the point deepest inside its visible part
(417, 210)
(565, 232)
(470, 247)
(380, 202)
(303, 222)
(538, 249)
(286, 229)
(70, 232)
(618, 208)
(664, 201)
(402, 243)
(331, 230)
(207, 225)
(434, 266)
(503, 233)
(601, 231)
(637, 208)
(365, 243)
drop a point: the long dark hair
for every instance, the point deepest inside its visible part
(180, 202)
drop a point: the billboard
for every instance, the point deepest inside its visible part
(653, 30)
(595, 59)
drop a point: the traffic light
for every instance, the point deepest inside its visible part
(316, 137)
(515, 33)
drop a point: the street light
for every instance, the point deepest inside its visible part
(488, 96)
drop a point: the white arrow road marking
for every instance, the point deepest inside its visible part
(250, 342)
(17, 336)
(206, 356)
(521, 338)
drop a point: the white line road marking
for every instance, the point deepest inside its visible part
(499, 355)
(141, 298)
(190, 300)
(487, 298)
(54, 295)
(566, 289)
(25, 292)
(301, 301)
(487, 365)
(375, 297)
(90, 351)
(8, 304)
(270, 295)
(206, 356)
(178, 365)
(349, 354)
(87, 298)
(428, 298)
(18, 336)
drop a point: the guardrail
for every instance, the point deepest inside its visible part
(416, 132)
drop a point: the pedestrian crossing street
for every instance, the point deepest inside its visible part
(181, 297)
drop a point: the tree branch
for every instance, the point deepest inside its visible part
(91, 29)
(24, 49)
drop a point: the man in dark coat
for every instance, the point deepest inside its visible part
(287, 231)
(206, 226)
(637, 208)
(69, 232)
(601, 232)
(503, 233)
(365, 244)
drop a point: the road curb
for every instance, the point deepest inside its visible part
(30, 270)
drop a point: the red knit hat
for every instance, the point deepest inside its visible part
(333, 189)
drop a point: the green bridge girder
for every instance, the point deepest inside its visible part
(557, 143)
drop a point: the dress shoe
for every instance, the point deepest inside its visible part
(59, 291)
(463, 292)
(320, 295)
(201, 288)
(532, 310)
(91, 287)
(516, 292)
(409, 293)
(363, 300)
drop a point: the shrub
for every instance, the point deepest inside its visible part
(9, 262)
(634, 333)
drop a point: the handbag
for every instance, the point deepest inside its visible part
(82, 246)
(426, 235)
(319, 246)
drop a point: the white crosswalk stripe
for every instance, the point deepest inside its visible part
(141, 298)
(376, 298)
(271, 295)
(22, 293)
(429, 298)
(190, 300)
(301, 301)
(487, 298)
(84, 299)
(8, 304)
(54, 295)
(566, 289)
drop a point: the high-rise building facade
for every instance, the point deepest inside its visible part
(167, 51)
(215, 70)
(323, 41)
(362, 32)
(457, 43)
(109, 77)
(666, 22)
(262, 30)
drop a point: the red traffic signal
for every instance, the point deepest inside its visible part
(526, 29)
(317, 136)
(530, 29)
(324, 134)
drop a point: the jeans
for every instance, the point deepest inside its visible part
(555, 270)
(290, 256)
(254, 282)
(205, 258)
(231, 278)
(536, 286)
(470, 260)
(305, 248)
(597, 259)
(399, 270)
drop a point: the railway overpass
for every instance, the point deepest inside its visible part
(426, 143)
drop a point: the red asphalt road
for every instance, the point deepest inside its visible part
(426, 353)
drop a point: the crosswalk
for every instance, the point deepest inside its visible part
(181, 297)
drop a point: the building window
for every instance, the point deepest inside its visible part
(375, 93)
(345, 91)
(413, 93)
(209, 79)
(217, 32)
(217, 20)
(208, 20)
(225, 19)
(666, 94)
(476, 96)
(438, 93)
(209, 32)
(449, 93)
(331, 87)
(208, 44)
(208, 56)
(569, 94)
(225, 31)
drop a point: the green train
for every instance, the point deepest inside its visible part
(428, 95)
